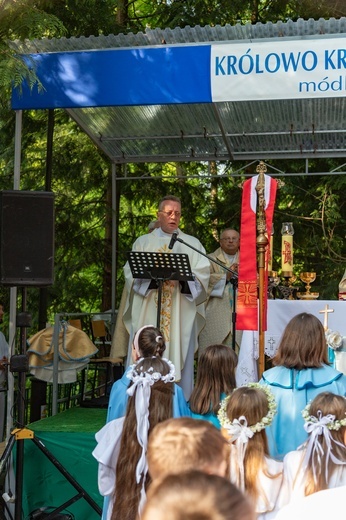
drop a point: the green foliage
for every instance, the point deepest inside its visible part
(83, 17)
(20, 20)
(180, 13)
(80, 177)
(316, 207)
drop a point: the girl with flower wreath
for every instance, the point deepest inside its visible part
(301, 371)
(320, 463)
(147, 342)
(122, 443)
(215, 379)
(243, 416)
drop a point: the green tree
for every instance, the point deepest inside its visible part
(20, 20)
(179, 13)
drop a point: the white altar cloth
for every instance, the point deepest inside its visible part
(280, 313)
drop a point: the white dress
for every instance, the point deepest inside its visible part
(270, 499)
(294, 478)
(322, 505)
(106, 453)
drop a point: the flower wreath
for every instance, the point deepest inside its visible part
(263, 423)
(332, 424)
(150, 376)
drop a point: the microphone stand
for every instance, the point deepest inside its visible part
(233, 280)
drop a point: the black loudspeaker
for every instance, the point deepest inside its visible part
(26, 238)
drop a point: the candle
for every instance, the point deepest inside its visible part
(287, 232)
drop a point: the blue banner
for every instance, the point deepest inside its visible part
(119, 77)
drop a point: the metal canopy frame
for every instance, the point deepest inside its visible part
(236, 131)
(220, 131)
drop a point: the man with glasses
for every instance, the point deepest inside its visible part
(219, 307)
(182, 305)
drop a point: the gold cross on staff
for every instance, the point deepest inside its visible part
(326, 311)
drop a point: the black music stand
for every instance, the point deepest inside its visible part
(160, 267)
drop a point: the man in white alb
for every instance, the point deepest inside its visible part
(219, 307)
(182, 306)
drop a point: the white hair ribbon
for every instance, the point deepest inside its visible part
(142, 383)
(240, 433)
(315, 427)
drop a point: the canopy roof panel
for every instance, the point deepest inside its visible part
(236, 123)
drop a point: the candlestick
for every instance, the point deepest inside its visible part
(287, 233)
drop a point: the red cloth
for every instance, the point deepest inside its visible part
(247, 300)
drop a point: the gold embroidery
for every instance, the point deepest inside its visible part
(166, 308)
(166, 302)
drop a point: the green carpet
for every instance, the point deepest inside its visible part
(70, 438)
(74, 420)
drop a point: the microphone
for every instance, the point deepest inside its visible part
(173, 239)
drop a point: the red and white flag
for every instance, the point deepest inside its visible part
(247, 300)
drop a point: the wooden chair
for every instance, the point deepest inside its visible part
(101, 337)
(77, 323)
(102, 363)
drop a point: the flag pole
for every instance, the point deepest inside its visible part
(261, 245)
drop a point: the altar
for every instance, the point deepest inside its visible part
(332, 315)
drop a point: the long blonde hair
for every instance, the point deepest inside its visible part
(127, 489)
(319, 469)
(252, 404)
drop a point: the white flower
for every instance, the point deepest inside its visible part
(332, 423)
(334, 339)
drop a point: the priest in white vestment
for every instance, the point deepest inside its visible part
(182, 309)
(219, 306)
